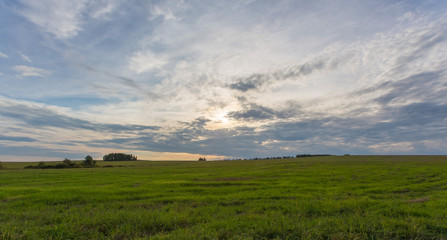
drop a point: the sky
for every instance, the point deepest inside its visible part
(179, 80)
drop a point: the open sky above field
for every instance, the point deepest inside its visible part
(183, 79)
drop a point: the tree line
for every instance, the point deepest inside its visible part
(88, 162)
(283, 157)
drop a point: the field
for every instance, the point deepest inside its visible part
(337, 197)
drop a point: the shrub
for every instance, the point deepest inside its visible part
(61, 165)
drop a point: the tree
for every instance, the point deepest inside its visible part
(88, 161)
(202, 159)
(67, 162)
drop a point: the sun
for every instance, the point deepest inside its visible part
(221, 117)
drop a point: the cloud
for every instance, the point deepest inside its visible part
(167, 14)
(3, 55)
(168, 76)
(256, 81)
(40, 117)
(124, 80)
(16, 139)
(63, 18)
(125, 84)
(102, 8)
(26, 58)
(413, 89)
(28, 71)
(255, 112)
(143, 61)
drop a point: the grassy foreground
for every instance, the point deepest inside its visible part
(355, 197)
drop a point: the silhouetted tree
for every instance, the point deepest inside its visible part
(202, 159)
(67, 162)
(88, 161)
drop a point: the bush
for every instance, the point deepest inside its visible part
(61, 165)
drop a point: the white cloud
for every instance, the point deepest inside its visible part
(143, 61)
(168, 10)
(26, 58)
(102, 8)
(28, 71)
(3, 55)
(63, 18)
(165, 13)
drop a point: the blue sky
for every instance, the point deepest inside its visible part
(222, 79)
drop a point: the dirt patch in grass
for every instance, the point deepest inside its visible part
(232, 179)
(417, 200)
(225, 179)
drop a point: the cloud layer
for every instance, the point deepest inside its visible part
(182, 79)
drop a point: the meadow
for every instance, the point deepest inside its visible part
(335, 197)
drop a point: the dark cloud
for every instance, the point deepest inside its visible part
(16, 139)
(255, 112)
(255, 81)
(421, 87)
(419, 114)
(244, 85)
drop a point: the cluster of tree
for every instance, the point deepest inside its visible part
(67, 163)
(202, 159)
(119, 157)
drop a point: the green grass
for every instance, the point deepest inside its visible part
(355, 197)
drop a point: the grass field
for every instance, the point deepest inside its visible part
(355, 197)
